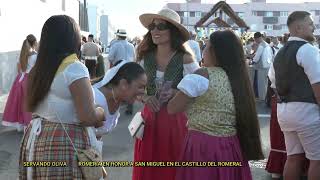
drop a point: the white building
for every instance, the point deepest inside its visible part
(258, 14)
(94, 14)
(107, 30)
(18, 18)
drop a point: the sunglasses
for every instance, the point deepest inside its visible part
(160, 26)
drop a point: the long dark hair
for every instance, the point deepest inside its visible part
(129, 71)
(147, 44)
(27, 44)
(60, 37)
(229, 53)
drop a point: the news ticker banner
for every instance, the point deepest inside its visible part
(136, 164)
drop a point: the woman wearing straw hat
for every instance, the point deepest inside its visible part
(165, 61)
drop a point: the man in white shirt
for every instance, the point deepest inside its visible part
(296, 74)
(90, 53)
(121, 49)
(194, 46)
(276, 45)
(261, 61)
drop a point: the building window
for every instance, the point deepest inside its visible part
(284, 27)
(198, 14)
(254, 13)
(180, 13)
(270, 20)
(268, 27)
(185, 14)
(277, 27)
(192, 14)
(269, 14)
(203, 14)
(260, 13)
(276, 13)
(284, 13)
(63, 5)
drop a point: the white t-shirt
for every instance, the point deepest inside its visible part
(293, 116)
(111, 120)
(194, 45)
(264, 54)
(31, 62)
(121, 50)
(59, 102)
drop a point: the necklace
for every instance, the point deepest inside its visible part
(163, 67)
(114, 98)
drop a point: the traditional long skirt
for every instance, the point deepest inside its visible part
(220, 152)
(162, 141)
(14, 114)
(278, 155)
(53, 145)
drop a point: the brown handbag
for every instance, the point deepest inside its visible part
(88, 155)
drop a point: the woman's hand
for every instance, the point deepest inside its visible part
(165, 96)
(152, 102)
(101, 117)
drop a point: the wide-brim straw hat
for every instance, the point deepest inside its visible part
(168, 15)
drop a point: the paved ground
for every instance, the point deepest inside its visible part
(118, 146)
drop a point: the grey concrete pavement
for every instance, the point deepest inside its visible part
(118, 146)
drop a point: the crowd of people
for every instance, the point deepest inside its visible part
(199, 100)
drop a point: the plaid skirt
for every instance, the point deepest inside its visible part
(53, 145)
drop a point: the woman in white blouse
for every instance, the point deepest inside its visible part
(124, 82)
(60, 94)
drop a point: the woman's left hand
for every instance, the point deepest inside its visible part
(165, 96)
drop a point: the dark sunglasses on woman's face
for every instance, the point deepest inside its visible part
(160, 26)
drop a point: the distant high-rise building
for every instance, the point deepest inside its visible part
(106, 30)
(94, 14)
(83, 17)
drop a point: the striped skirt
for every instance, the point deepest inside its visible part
(53, 145)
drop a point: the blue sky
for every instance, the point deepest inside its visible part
(125, 13)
